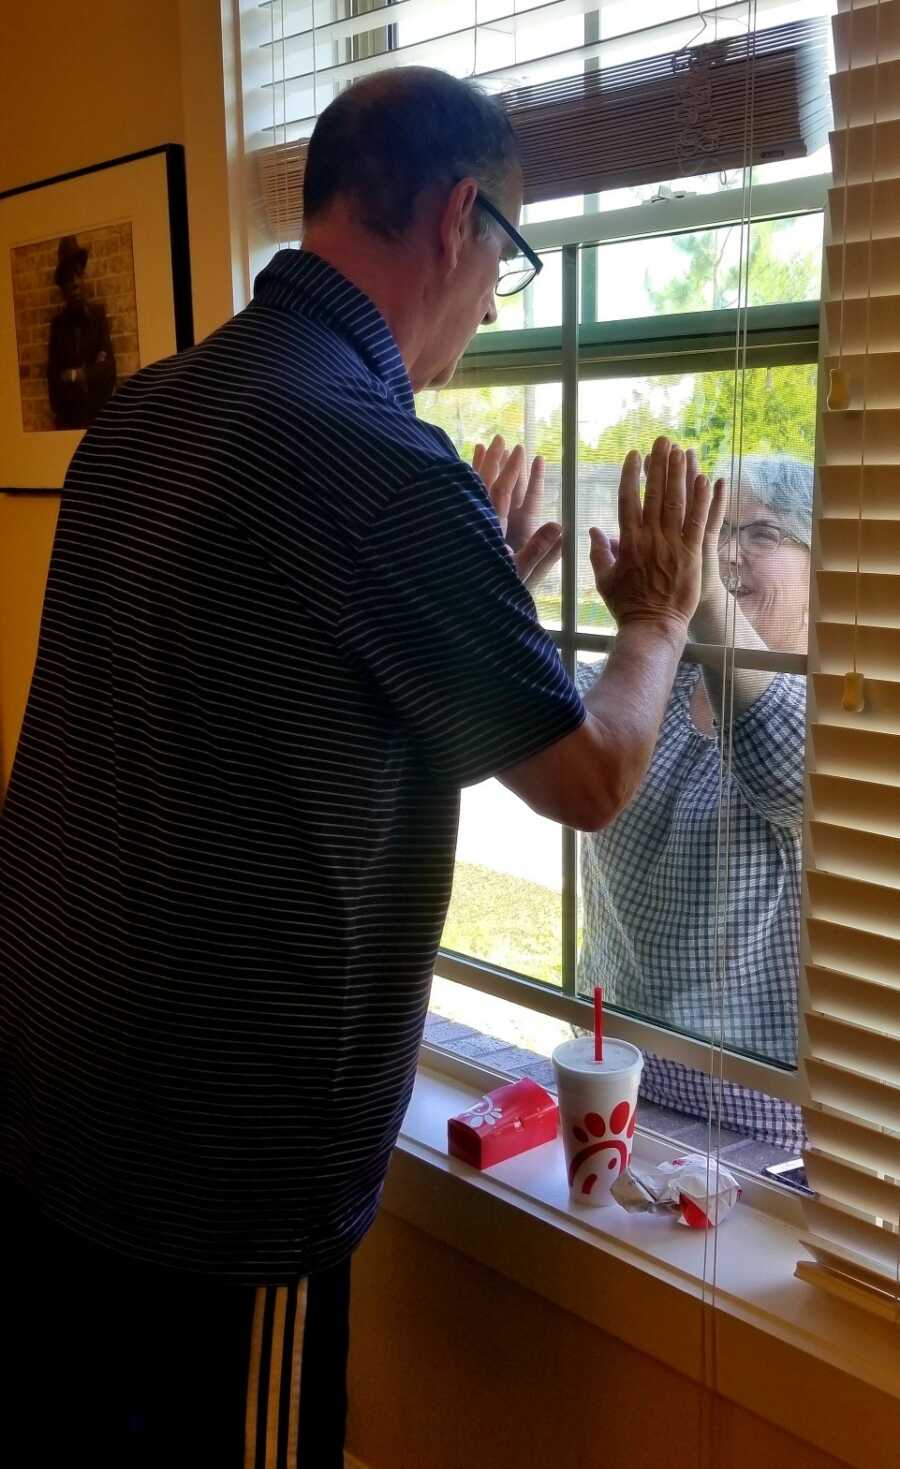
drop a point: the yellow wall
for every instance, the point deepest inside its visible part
(80, 83)
(87, 82)
(26, 536)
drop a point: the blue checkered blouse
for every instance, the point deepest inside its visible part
(652, 920)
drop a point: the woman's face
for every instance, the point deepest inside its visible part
(770, 580)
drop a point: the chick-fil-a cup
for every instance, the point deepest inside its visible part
(598, 1110)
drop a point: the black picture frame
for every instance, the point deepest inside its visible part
(144, 191)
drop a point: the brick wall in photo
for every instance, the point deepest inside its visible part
(108, 277)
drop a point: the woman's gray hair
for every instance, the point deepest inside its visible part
(784, 485)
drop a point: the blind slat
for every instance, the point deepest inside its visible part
(875, 594)
(836, 1229)
(858, 1000)
(850, 1045)
(857, 754)
(859, 805)
(843, 486)
(849, 852)
(460, 15)
(851, 324)
(864, 1273)
(854, 95)
(882, 706)
(855, 903)
(858, 1144)
(861, 36)
(851, 1187)
(852, 152)
(300, 25)
(867, 956)
(858, 269)
(873, 378)
(879, 544)
(866, 205)
(843, 434)
(454, 28)
(869, 1102)
(877, 649)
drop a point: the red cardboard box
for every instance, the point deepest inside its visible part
(509, 1120)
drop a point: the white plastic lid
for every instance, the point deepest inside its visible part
(578, 1055)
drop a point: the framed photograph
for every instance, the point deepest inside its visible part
(94, 284)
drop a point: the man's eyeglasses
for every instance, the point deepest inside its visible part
(520, 270)
(756, 538)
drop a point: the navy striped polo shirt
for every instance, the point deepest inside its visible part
(281, 631)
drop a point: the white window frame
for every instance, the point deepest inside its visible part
(689, 212)
(805, 195)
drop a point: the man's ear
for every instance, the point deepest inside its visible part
(456, 221)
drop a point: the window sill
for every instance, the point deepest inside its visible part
(815, 1367)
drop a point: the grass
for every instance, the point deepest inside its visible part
(592, 613)
(506, 921)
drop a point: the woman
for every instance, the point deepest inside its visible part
(662, 906)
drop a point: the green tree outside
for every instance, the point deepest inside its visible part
(713, 278)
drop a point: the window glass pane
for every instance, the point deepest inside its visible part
(618, 18)
(506, 906)
(766, 534)
(704, 270)
(690, 900)
(531, 416)
(510, 1038)
(646, 197)
(540, 304)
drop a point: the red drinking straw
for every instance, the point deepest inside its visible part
(598, 1023)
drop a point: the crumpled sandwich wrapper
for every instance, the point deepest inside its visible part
(696, 1189)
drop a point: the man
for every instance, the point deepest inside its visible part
(81, 364)
(282, 629)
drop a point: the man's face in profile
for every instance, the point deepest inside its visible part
(470, 302)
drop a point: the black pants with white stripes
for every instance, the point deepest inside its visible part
(117, 1366)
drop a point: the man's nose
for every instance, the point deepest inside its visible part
(490, 316)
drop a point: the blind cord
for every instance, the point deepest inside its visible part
(863, 446)
(726, 723)
(274, 72)
(837, 387)
(866, 345)
(284, 221)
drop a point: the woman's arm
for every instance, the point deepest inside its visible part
(720, 621)
(767, 755)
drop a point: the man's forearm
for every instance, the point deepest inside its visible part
(629, 700)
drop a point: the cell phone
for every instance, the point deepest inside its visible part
(792, 1172)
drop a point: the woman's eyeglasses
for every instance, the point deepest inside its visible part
(756, 538)
(520, 270)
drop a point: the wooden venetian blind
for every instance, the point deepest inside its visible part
(853, 874)
(676, 115)
(665, 101)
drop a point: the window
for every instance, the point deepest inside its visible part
(535, 912)
(660, 307)
(655, 352)
(296, 56)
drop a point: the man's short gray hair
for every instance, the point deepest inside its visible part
(392, 135)
(783, 484)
